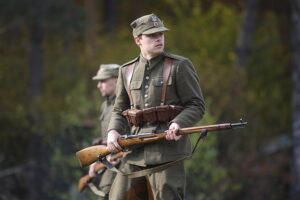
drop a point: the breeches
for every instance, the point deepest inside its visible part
(168, 184)
(106, 181)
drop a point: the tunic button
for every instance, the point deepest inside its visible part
(146, 86)
(161, 82)
(146, 104)
(147, 77)
(147, 68)
(146, 95)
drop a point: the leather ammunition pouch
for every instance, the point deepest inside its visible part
(133, 116)
(164, 113)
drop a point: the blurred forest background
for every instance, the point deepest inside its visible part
(247, 54)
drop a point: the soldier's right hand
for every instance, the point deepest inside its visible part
(112, 141)
(112, 160)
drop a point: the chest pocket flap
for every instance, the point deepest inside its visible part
(135, 85)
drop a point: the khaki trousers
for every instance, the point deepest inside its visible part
(168, 184)
(106, 181)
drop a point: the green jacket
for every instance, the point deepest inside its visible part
(146, 85)
(106, 109)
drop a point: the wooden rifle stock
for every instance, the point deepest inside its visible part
(91, 154)
(83, 181)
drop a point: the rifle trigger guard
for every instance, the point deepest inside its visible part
(103, 160)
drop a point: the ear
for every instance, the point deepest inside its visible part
(137, 41)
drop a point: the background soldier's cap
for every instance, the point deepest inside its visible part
(147, 24)
(107, 71)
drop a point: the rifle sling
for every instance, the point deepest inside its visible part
(96, 190)
(146, 172)
(159, 168)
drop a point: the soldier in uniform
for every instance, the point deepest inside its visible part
(107, 78)
(164, 89)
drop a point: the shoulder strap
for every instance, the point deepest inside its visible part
(166, 75)
(129, 73)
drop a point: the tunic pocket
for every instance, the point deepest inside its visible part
(135, 85)
(136, 92)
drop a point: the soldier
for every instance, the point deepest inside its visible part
(156, 91)
(107, 78)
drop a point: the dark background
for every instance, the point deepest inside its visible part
(247, 55)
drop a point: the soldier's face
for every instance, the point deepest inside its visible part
(107, 87)
(152, 44)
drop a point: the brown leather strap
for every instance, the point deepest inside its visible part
(166, 75)
(129, 73)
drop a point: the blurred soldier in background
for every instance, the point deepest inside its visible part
(107, 79)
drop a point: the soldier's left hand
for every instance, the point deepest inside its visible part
(171, 133)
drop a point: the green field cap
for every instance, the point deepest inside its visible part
(147, 24)
(107, 71)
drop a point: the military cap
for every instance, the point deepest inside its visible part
(107, 71)
(147, 24)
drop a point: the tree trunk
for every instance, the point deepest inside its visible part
(243, 50)
(34, 174)
(246, 33)
(139, 8)
(295, 44)
(110, 15)
(35, 62)
(91, 29)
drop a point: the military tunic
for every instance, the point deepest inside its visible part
(183, 89)
(106, 109)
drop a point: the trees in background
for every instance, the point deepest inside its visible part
(295, 44)
(49, 105)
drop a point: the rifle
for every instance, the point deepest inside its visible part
(91, 154)
(83, 181)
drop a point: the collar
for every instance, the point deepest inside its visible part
(153, 61)
(110, 99)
